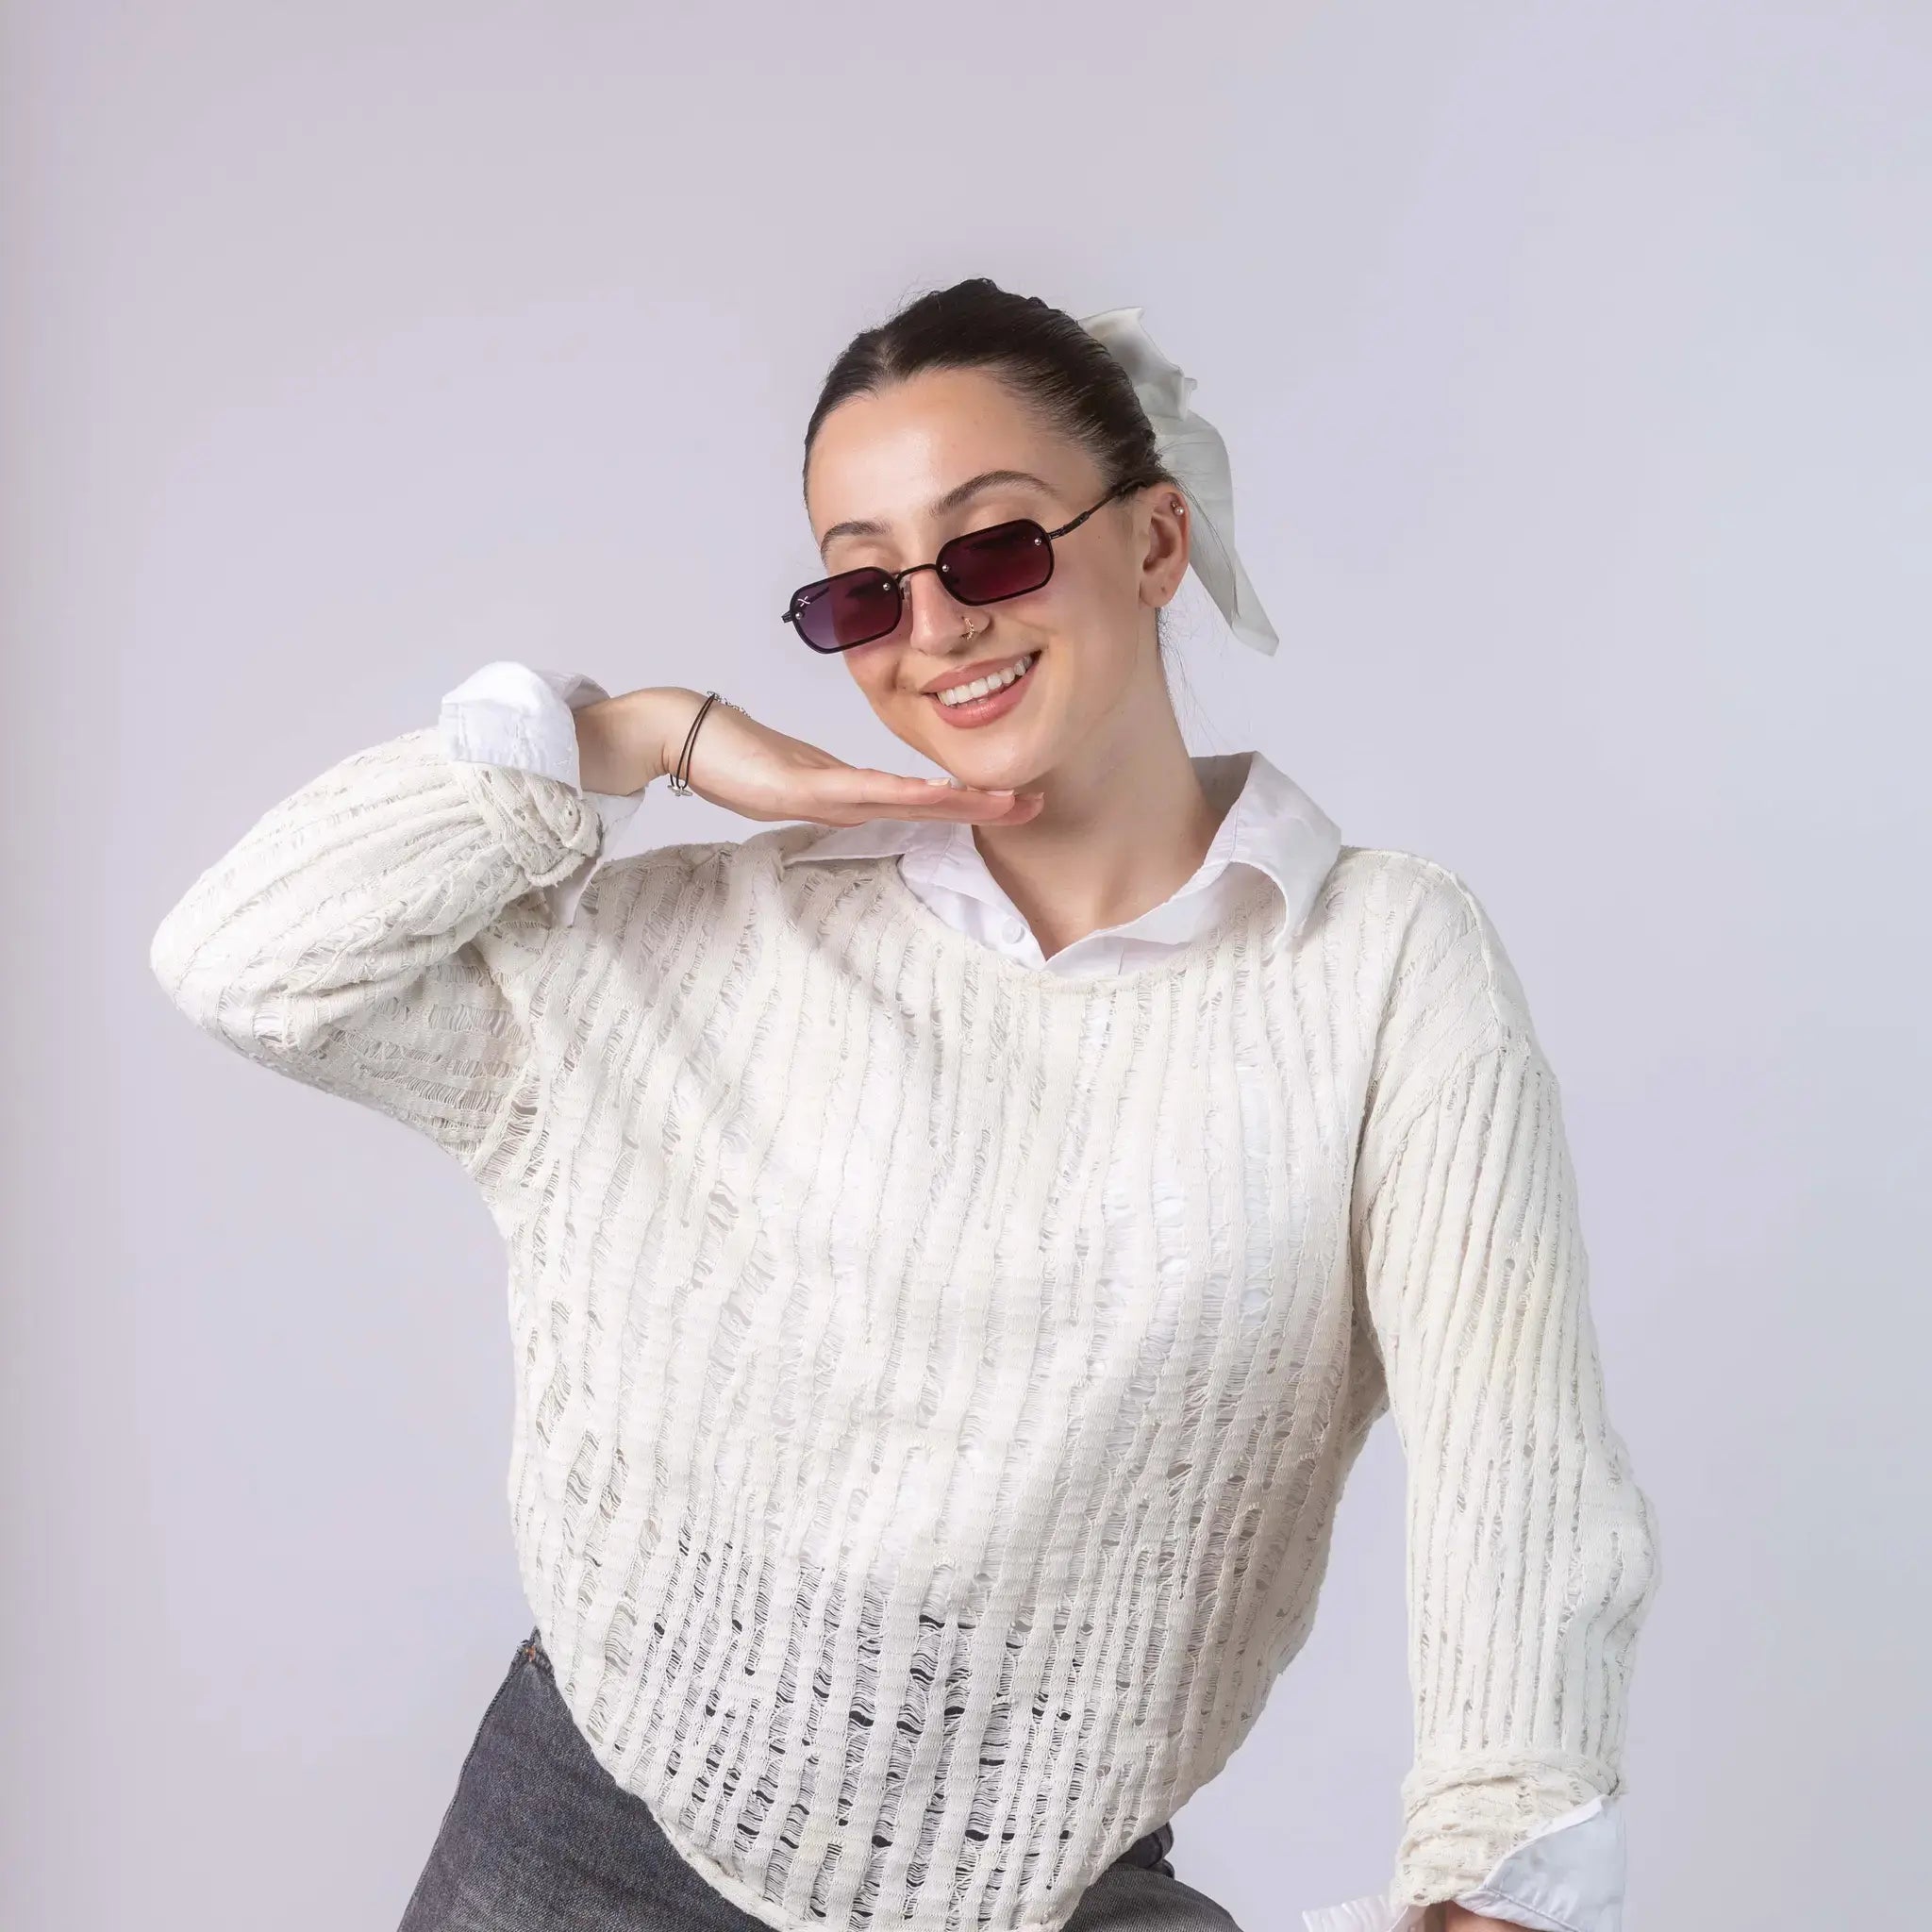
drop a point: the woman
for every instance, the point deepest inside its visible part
(956, 1257)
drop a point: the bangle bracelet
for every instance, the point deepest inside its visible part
(680, 782)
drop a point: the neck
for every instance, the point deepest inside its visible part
(1125, 824)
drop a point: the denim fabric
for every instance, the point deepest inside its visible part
(539, 1837)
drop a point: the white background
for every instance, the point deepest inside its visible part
(1572, 361)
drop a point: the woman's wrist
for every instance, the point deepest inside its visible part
(624, 742)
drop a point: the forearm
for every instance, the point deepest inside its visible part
(356, 885)
(338, 940)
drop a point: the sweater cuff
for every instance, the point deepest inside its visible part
(1462, 1817)
(1567, 1876)
(519, 716)
(549, 827)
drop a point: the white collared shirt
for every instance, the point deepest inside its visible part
(1568, 1875)
(1272, 827)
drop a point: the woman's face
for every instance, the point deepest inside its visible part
(901, 463)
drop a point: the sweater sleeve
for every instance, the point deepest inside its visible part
(1532, 1554)
(337, 942)
(523, 716)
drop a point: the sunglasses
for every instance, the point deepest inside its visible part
(859, 607)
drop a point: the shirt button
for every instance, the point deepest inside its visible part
(1012, 928)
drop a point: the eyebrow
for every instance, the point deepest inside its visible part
(940, 506)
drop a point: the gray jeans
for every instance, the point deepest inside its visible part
(540, 1837)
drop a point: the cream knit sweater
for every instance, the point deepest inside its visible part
(935, 1379)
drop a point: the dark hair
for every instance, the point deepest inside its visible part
(1069, 378)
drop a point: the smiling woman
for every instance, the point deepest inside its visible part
(952, 505)
(961, 1235)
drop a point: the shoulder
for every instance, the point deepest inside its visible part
(1449, 1019)
(1429, 950)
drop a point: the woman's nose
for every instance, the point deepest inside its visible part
(935, 619)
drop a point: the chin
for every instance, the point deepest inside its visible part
(991, 775)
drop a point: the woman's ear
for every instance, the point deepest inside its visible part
(1165, 560)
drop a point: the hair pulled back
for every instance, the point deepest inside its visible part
(1070, 379)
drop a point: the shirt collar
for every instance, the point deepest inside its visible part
(1272, 826)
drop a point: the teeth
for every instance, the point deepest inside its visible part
(998, 680)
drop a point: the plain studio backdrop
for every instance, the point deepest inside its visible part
(1573, 362)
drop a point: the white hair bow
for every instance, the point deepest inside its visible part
(1192, 447)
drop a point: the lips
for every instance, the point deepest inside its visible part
(983, 667)
(969, 714)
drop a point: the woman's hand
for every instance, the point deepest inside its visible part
(624, 742)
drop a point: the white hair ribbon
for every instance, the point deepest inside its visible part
(1192, 447)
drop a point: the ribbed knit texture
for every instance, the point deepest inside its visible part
(935, 1379)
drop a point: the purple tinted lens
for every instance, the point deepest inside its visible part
(986, 565)
(849, 610)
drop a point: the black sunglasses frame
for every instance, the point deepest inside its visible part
(896, 579)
